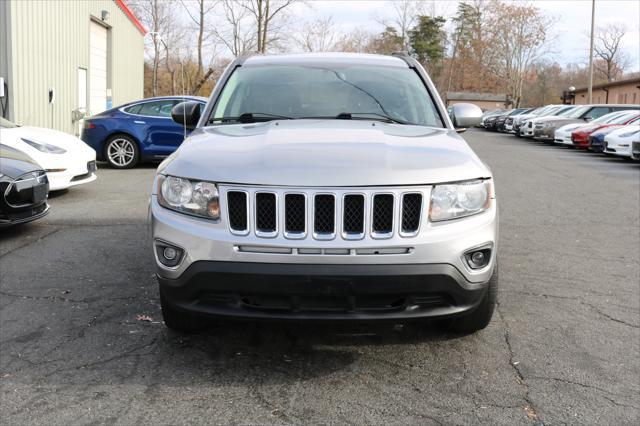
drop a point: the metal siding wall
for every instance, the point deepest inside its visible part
(53, 41)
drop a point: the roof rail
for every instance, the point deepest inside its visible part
(240, 59)
(404, 55)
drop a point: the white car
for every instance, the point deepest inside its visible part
(67, 160)
(620, 140)
(563, 134)
(527, 128)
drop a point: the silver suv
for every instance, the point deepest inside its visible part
(325, 187)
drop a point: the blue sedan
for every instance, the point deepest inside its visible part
(136, 132)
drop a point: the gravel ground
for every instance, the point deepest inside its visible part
(562, 348)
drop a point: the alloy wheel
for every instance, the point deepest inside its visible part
(121, 152)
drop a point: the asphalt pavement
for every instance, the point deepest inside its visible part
(82, 339)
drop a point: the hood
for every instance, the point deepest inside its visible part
(325, 153)
(50, 136)
(14, 163)
(523, 117)
(561, 121)
(570, 127)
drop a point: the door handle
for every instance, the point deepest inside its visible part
(139, 122)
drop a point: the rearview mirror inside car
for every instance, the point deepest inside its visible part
(465, 115)
(186, 114)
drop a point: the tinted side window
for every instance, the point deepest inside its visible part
(134, 109)
(597, 112)
(157, 108)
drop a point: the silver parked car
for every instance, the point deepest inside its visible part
(325, 187)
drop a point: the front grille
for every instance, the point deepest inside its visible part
(324, 214)
(411, 212)
(295, 214)
(353, 214)
(321, 214)
(237, 206)
(266, 222)
(382, 214)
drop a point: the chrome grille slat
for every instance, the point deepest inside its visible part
(411, 213)
(382, 216)
(324, 216)
(266, 214)
(238, 209)
(295, 215)
(361, 215)
(353, 216)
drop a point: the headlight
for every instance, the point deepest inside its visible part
(191, 197)
(452, 201)
(44, 147)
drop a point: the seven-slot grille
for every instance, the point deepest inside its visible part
(303, 213)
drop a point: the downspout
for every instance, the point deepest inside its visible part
(606, 99)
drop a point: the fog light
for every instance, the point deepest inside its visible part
(478, 257)
(169, 255)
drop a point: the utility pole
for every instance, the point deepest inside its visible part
(593, 16)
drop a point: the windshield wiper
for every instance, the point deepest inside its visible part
(251, 117)
(381, 117)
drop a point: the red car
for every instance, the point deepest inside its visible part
(580, 136)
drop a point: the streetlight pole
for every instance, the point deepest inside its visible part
(593, 16)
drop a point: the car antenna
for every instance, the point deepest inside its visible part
(184, 111)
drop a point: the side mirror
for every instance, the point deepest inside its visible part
(465, 115)
(186, 114)
(587, 119)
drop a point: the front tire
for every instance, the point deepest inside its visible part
(121, 152)
(481, 316)
(180, 321)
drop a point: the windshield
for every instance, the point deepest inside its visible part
(545, 110)
(578, 112)
(567, 112)
(609, 118)
(622, 118)
(354, 92)
(6, 124)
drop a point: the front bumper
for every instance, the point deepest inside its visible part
(322, 292)
(400, 277)
(77, 173)
(544, 134)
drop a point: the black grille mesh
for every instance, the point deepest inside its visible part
(294, 213)
(324, 216)
(237, 205)
(382, 213)
(411, 210)
(353, 217)
(265, 212)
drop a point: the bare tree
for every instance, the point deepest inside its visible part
(608, 49)
(358, 40)
(265, 13)
(518, 35)
(405, 13)
(236, 34)
(319, 35)
(157, 17)
(198, 16)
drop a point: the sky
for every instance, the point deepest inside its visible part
(571, 30)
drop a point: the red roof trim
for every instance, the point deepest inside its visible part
(131, 16)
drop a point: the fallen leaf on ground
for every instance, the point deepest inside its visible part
(144, 318)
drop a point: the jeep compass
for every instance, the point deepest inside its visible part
(325, 187)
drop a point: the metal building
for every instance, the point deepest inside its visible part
(61, 59)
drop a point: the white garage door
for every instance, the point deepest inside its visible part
(97, 69)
